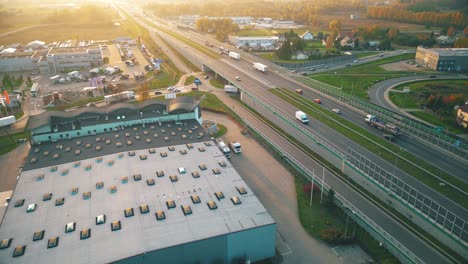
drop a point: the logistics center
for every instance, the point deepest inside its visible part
(153, 190)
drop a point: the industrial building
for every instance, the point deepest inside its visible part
(19, 61)
(450, 59)
(155, 191)
(254, 42)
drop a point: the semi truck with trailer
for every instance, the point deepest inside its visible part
(236, 147)
(230, 89)
(301, 116)
(234, 55)
(6, 121)
(224, 149)
(118, 97)
(390, 129)
(260, 67)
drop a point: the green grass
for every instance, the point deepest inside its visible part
(221, 131)
(272, 57)
(217, 83)
(8, 143)
(255, 32)
(338, 123)
(162, 80)
(189, 80)
(403, 100)
(315, 44)
(367, 53)
(192, 66)
(446, 122)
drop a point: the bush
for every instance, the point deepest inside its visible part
(334, 236)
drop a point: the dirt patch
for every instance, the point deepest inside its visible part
(408, 65)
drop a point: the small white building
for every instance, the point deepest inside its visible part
(37, 44)
(263, 42)
(307, 36)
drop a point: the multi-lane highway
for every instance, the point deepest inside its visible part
(257, 84)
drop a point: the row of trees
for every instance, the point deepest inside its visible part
(10, 81)
(221, 27)
(456, 19)
(291, 44)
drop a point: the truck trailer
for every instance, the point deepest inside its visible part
(6, 121)
(387, 128)
(230, 89)
(224, 149)
(234, 55)
(301, 116)
(260, 67)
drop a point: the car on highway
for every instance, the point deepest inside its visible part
(326, 66)
(432, 76)
(336, 110)
(356, 61)
(317, 100)
(237, 78)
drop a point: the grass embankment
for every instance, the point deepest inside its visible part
(189, 80)
(192, 66)
(75, 104)
(357, 79)
(421, 91)
(381, 147)
(9, 142)
(217, 83)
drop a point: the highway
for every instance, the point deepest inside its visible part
(257, 83)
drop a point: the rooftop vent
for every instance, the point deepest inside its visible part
(53, 169)
(40, 177)
(131, 153)
(5, 243)
(148, 140)
(77, 152)
(171, 148)
(150, 182)
(184, 136)
(128, 212)
(143, 157)
(129, 143)
(85, 233)
(189, 146)
(173, 133)
(186, 209)
(170, 204)
(53, 242)
(59, 201)
(99, 160)
(182, 170)
(77, 164)
(216, 171)
(56, 156)
(117, 136)
(163, 154)
(33, 160)
(64, 172)
(124, 179)
(31, 208)
(202, 166)
(46, 153)
(166, 138)
(37, 150)
(116, 226)
(78, 142)
(86, 195)
(108, 142)
(88, 167)
(212, 205)
(195, 199)
(99, 185)
(152, 151)
(174, 178)
(113, 189)
(145, 132)
(98, 148)
(67, 149)
(195, 174)
(118, 144)
(39, 235)
(88, 146)
(235, 200)
(110, 162)
(19, 251)
(155, 135)
(70, 227)
(183, 151)
(219, 195)
(137, 177)
(144, 209)
(19, 203)
(137, 137)
(100, 219)
(160, 173)
(160, 215)
(74, 190)
(201, 149)
(207, 143)
(222, 163)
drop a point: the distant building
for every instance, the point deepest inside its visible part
(37, 44)
(253, 42)
(19, 61)
(63, 59)
(445, 40)
(353, 16)
(462, 115)
(307, 36)
(449, 59)
(189, 19)
(347, 42)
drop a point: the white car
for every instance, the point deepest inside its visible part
(176, 90)
(237, 78)
(336, 110)
(170, 88)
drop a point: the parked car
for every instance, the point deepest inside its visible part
(336, 110)
(157, 92)
(170, 88)
(318, 101)
(176, 90)
(299, 91)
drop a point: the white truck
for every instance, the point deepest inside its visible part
(118, 97)
(234, 55)
(6, 121)
(260, 67)
(230, 89)
(54, 79)
(301, 116)
(236, 147)
(379, 124)
(73, 74)
(224, 149)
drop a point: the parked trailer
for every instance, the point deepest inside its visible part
(118, 97)
(6, 121)
(234, 55)
(224, 148)
(387, 128)
(231, 89)
(260, 67)
(236, 147)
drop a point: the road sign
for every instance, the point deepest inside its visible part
(197, 81)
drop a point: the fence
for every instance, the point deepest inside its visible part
(316, 63)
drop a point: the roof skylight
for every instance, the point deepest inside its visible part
(160, 215)
(170, 204)
(85, 233)
(212, 205)
(150, 181)
(39, 235)
(31, 208)
(235, 200)
(195, 199)
(195, 174)
(129, 212)
(219, 195)
(116, 226)
(19, 251)
(186, 209)
(144, 209)
(59, 201)
(53, 242)
(100, 219)
(70, 227)
(5, 243)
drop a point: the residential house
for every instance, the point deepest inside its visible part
(307, 36)
(347, 42)
(444, 40)
(462, 115)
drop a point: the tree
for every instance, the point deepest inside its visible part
(334, 25)
(284, 52)
(451, 32)
(143, 90)
(393, 33)
(465, 31)
(461, 43)
(329, 200)
(329, 42)
(320, 35)
(298, 44)
(356, 43)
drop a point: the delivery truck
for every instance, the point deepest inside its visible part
(234, 55)
(224, 149)
(230, 89)
(301, 116)
(260, 67)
